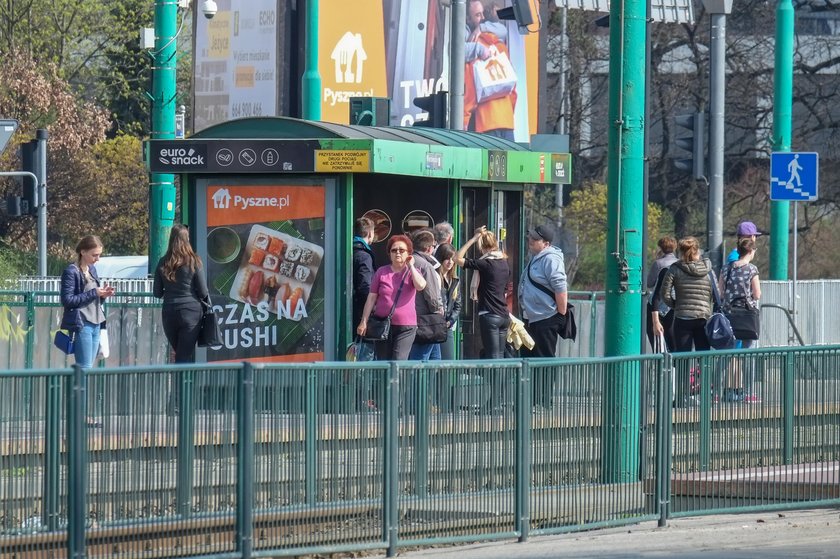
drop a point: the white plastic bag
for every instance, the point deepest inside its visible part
(494, 77)
(104, 346)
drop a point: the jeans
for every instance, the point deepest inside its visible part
(85, 350)
(424, 352)
(87, 345)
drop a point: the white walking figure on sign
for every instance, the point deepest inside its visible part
(793, 168)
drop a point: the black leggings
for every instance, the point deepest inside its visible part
(493, 330)
(181, 323)
(690, 332)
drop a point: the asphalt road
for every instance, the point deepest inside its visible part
(770, 535)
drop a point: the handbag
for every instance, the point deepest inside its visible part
(568, 331)
(209, 333)
(65, 341)
(431, 329)
(104, 344)
(718, 330)
(494, 77)
(379, 328)
(745, 322)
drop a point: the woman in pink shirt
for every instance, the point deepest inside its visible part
(383, 291)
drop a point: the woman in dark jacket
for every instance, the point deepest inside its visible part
(691, 298)
(450, 295)
(179, 280)
(494, 278)
(82, 295)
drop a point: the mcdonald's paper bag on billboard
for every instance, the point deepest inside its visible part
(494, 77)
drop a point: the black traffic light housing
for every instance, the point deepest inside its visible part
(29, 162)
(694, 143)
(437, 105)
(519, 10)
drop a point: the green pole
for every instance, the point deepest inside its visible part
(162, 186)
(782, 111)
(311, 82)
(625, 223)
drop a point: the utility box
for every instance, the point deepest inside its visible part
(370, 111)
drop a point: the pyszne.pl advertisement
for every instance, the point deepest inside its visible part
(265, 250)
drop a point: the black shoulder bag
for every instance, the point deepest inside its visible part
(745, 320)
(209, 333)
(569, 329)
(378, 328)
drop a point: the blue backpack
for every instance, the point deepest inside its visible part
(718, 330)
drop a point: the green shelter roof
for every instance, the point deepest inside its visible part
(282, 127)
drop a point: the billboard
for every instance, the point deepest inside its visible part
(236, 62)
(266, 270)
(400, 50)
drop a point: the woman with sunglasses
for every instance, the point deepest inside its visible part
(400, 276)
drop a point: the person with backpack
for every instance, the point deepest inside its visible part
(688, 289)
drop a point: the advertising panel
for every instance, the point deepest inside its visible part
(404, 55)
(236, 62)
(266, 271)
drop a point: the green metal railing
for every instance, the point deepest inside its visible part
(247, 460)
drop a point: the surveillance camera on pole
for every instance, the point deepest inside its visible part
(209, 8)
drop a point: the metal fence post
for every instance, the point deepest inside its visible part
(421, 431)
(76, 464)
(522, 444)
(245, 463)
(708, 367)
(186, 443)
(664, 399)
(788, 400)
(390, 508)
(52, 450)
(311, 436)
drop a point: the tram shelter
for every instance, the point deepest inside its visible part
(271, 203)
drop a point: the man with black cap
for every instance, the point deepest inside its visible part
(542, 291)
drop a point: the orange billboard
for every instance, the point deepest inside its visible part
(265, 270)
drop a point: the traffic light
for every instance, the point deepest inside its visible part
(437, 105)
(694, 143)
(29, 158)
(519, 10)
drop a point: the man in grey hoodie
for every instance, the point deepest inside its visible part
(542, 292)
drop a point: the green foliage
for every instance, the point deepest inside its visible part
(586, 218)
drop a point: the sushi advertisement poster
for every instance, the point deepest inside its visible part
(265, 249)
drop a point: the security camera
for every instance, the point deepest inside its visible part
(209, 8)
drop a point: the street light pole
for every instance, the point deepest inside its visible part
(718, 9)
(456, 65)
(162, 185)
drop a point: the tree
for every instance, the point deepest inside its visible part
(679, 82)
(585, 218)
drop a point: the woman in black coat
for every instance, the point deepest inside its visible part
(179, 280)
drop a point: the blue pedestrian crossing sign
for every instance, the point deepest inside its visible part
(794, 176)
